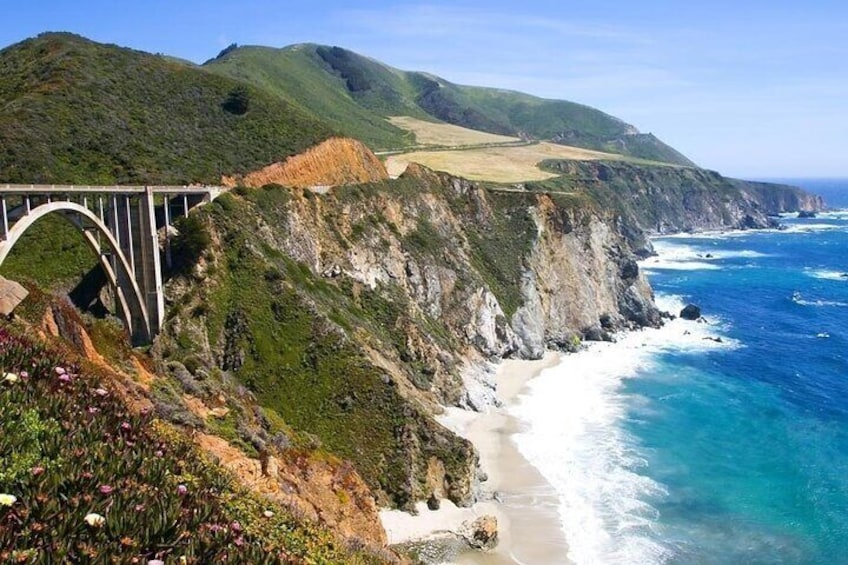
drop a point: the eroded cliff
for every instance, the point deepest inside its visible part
(334, 162)
(353, 315)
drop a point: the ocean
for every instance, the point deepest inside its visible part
(718, 442)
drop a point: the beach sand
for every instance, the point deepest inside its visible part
(528, 521)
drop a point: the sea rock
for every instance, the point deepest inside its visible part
(483, 533)
(433, 503)
(690, 312)
(806, 214)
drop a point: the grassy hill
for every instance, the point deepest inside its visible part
(76, 111)
(300, 76)
(355, 93)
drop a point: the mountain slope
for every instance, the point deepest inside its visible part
(351, 89)
(75, 111)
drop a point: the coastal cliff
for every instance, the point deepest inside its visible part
(354, 315)
(667, 199)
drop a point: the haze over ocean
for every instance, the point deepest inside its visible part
(671, 447)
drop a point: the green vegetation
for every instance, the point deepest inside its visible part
(84, 479)
(51, 253)
(499, 246)
(75, 111)
(283, 333)
(299, 76)
(356, 93)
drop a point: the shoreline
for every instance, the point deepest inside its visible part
(516, 493)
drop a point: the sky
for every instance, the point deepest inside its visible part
(750, 88)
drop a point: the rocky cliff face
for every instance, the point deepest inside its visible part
(353, 315)
(335, 162)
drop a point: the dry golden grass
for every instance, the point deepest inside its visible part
(495, 164)
(430, 133)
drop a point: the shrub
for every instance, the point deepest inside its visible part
(190, 244)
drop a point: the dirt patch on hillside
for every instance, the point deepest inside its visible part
(335, 162)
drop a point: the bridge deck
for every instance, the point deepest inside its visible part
(117, 189)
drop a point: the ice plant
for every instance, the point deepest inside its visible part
(106, 489)
(94, 519)
(182, 490)
(7, 499)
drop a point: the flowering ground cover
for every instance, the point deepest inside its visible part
(83, 479)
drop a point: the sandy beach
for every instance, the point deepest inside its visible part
(515, 492)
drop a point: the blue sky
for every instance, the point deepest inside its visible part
(749, 88)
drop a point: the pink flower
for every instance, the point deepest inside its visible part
(106, 489)
(158, 453)
(93, 409)
(64, 377)
(126, 426)
(37, 471)
(182, 490)
(101, 392)
(155, 562)
(59, 370)
(235, 526)
(24, 375)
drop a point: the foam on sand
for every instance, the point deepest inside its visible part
(575, 415)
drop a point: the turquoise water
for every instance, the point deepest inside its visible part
(671, 447)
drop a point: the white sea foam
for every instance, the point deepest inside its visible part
(828, 275)
(833, 215)
(799, 299)
(812, 227)
(676, 256)
(575, 414)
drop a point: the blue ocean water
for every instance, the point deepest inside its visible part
(677, 447)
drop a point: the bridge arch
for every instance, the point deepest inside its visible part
(122, 278)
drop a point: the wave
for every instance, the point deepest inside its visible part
(811, 227)
(576, 436)
(841, 214)
(797, 298)
(827, 275)
(683, 257)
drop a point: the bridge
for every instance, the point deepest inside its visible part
(121, 224)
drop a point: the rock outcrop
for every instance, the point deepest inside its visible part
(690, 312)
(335, 162)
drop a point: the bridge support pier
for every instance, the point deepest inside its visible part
(124, 217)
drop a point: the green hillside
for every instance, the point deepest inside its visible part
(355, 93)
(76, 111)
(300, 76)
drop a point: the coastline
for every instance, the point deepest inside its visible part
(524, 503)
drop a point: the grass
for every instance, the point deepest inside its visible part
(79, 112)
(435, 133)
(357, 93)
(498, 163)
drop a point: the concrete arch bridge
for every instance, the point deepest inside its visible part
(120, 223)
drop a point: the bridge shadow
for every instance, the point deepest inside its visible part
(87, 295)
